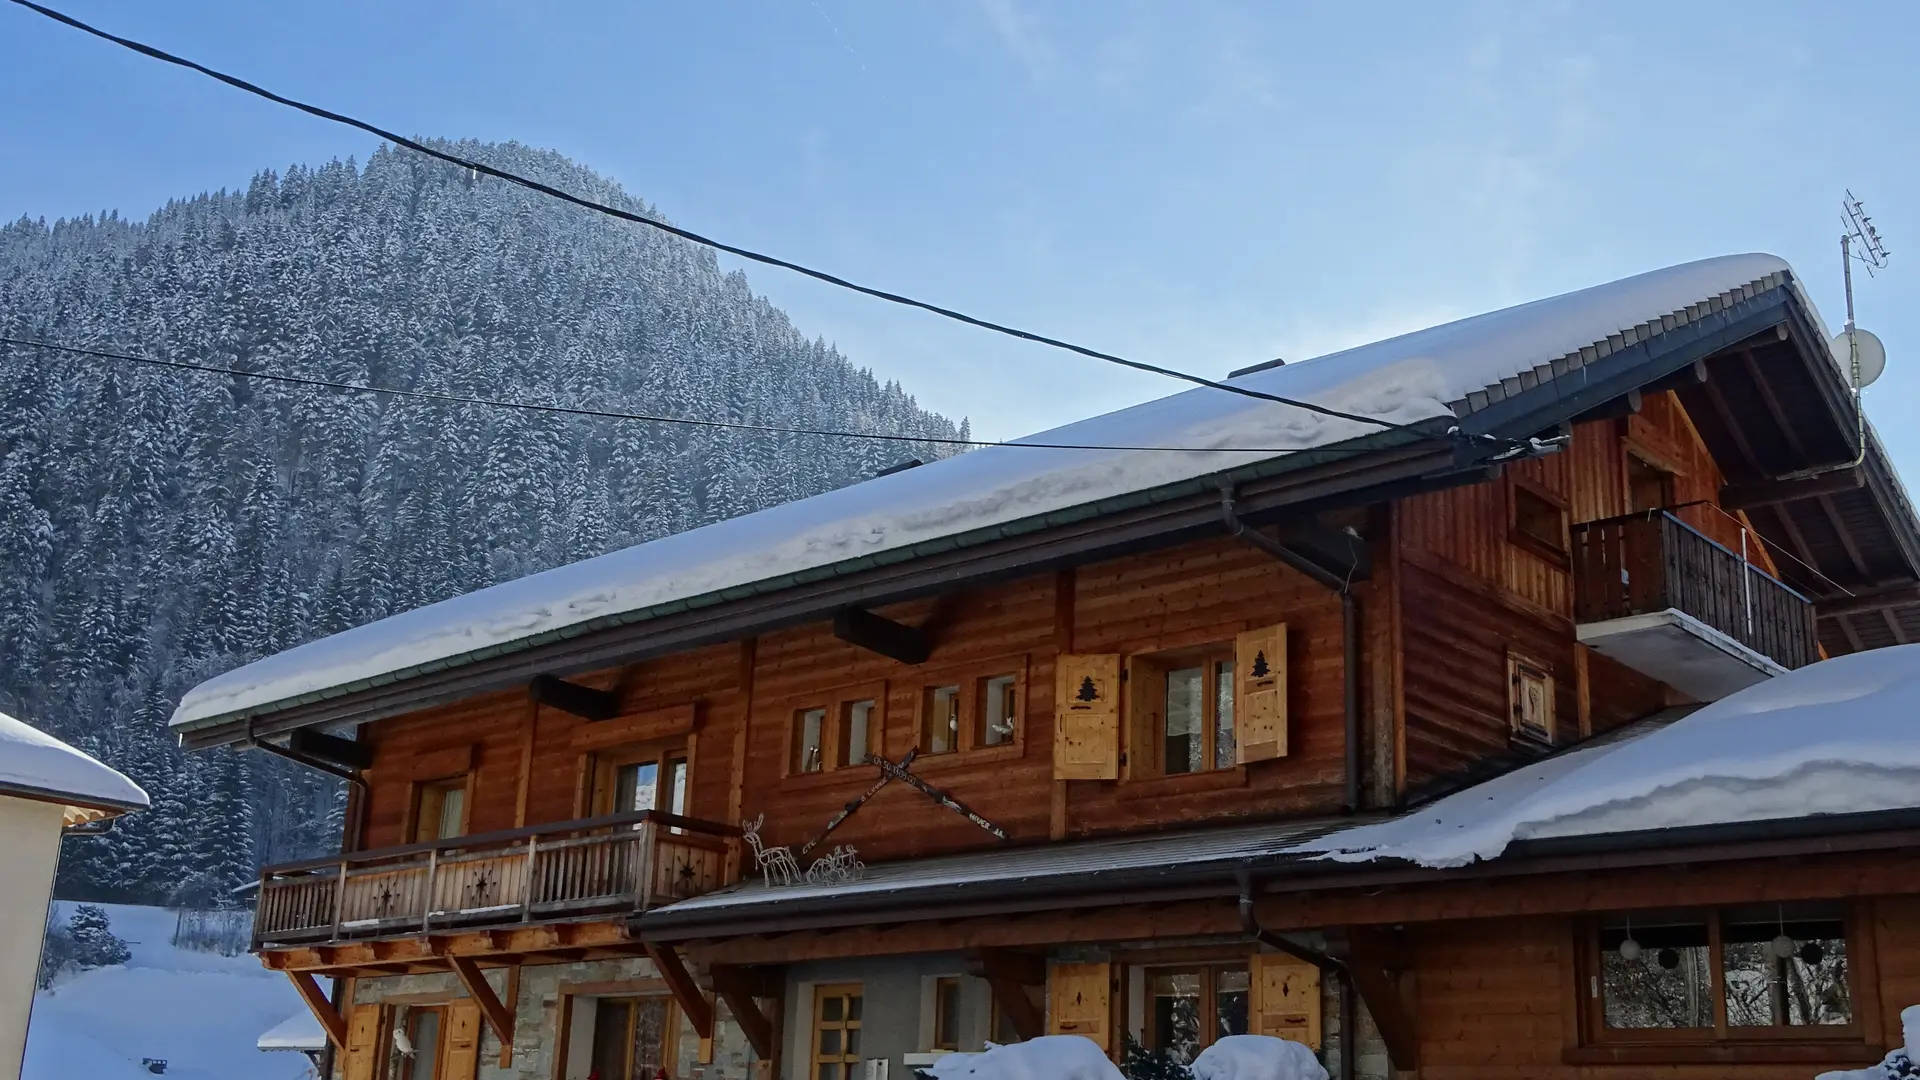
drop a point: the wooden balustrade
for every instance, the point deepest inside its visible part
(1652, 562)
(611, 865)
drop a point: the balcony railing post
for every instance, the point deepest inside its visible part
(426, 897)
(339, 899)
(526, 885)
(643, 885)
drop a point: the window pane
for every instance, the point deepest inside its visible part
(1185, 719)
(942, 720)
(1665, 983)
(635, 786)
(996, 717)
(676, 785)
(829, 1042)
(807, 754)
(853, 1042)
(946, 1014)
(1230, 1002)
(833, 1009)
(1806, 987)
(453, 802)
(426, 1044)
(611, 1020)
(1175, 998)
(853, 1008)
(1223, 744)
(859, 718)
(830, 1071)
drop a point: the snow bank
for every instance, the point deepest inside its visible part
(1897, 1063)
(1050, 1057)
(1257, 1057)
(1402, 380)
(1834, 737)
(202, 1012)
(37, 764)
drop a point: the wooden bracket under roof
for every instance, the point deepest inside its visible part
(877, 633)
(330, 1019)
(582, 701)
(741, 988)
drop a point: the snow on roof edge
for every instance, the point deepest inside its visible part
(1427, 374)
(35, 765)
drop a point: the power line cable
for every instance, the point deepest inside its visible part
(686, 234)
(610, 414)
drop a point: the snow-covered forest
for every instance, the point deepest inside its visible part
(159, 526)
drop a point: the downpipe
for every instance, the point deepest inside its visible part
(1328, 964)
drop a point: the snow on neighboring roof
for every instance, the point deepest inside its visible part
(1835, 737)
(35, 765)
(1414, 377)
(301, 1031)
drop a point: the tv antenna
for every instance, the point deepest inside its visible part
(1861, 353)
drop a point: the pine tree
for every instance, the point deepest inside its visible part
(94, 944)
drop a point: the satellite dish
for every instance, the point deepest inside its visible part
(1873, 355)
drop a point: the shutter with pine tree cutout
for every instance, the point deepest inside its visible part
(1086, 716)
(1078, 1002)
(1260, 693)
(462, 1055)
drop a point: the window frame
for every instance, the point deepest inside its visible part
(945, 988)
(1518, 489)
(1157, 665)
(971, 679)
(409, 1067)
(604, 771)
(835, 729)
(1722, 1041)
(417, 795)
(815, 1058)
(1209, 1009)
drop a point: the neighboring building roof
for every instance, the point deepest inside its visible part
(1481, 367)
(1833, 738)
(301, 1031)
(37, 766)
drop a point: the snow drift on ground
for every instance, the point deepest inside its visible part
(199, 1011)
(1889, 1066)
(31, 760)
(1257, 1057)
(1401, 380)
(1050, 1057)
(1835, 737)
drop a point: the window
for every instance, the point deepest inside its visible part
(440, 810)
(423, 1035)
(1538, 521)
(946, 1014)
(1189, 1008)
(1649, 487)
(1735, 973)
(940, 720)
(1184, 715)
(836, 1032)
(641, 778)
(632, 1037)
(856, 727)
(996, 711)
(810, 728)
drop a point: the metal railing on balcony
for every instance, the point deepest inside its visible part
(1651, 562)
(607, 865)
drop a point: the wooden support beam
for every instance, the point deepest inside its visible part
(582, 701)
(1875, 598)
(1008, 974)
(345, 753)
(1694, 374)
(739, 987)
(1371, 956)
(876, 633)
(498, 1016)
(1626, 404)
(1771, 492)
(331, 1021)
(692, 1000)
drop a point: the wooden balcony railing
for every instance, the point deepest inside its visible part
(1651, 562)
(608, 865)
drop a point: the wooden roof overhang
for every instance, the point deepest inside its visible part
(1811, 857)
(1751, 367)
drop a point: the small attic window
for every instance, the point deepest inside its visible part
(1538, 521)
(1530, 700)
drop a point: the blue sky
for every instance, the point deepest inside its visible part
(1200, 185)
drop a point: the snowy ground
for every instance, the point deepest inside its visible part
(199, 1011)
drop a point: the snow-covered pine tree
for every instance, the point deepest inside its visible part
(94, 943)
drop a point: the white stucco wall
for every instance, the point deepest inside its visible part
(29, 851)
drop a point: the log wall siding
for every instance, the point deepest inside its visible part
(1200, 593)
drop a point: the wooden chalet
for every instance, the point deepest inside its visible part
(1114, 691)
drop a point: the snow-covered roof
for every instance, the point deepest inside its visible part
(1835, 737)
(301, 1031)
(35, 765)
(1427, 374)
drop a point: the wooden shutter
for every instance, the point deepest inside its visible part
(462, 1053)
(1077, 1002)
(1286, 999)
(1086, 711)
(364, 1045)
(1260, 694)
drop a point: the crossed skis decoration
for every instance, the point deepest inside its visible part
(900, 770)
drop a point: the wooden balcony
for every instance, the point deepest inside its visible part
(1665, 599)
(608, 866)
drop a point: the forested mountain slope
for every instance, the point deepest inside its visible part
(159, 526)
